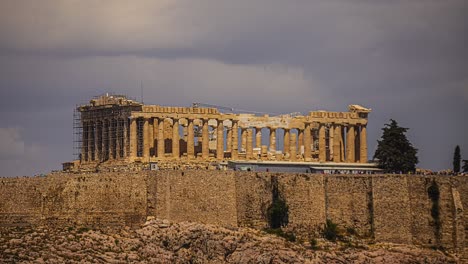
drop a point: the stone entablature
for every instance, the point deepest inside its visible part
(116, 128)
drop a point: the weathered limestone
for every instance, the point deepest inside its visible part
(154, 141)
(300, 138)
(322, 150)
(229, 139)
(220, 140)
(90, 141)
(292, 148)
(190, 140)
(235, 141)
(205, 138)
(244, 139)
(161, 144)
(133, 138)
(363, 143)
(337, 142)
(146, 145)
(384, 208)
(249, 143)
(258, 137)
(350, 141)
(105, 140)
(116, 128)
(307, 143)
(287, 141)
(272, 139)
(118, 145)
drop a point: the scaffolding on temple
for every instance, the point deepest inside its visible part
(77, 133)
(98, 133)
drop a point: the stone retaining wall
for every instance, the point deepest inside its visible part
(391, 208)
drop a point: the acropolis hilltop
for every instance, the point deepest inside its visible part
(115, 128)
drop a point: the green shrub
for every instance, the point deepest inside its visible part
(83, 229)
(351, 231)
(330, 231)
(313, 244)
(277, 212)
(289, 236)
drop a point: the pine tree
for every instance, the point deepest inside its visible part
(394, 152)
(456, 159)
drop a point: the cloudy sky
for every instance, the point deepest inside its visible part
(407, 60)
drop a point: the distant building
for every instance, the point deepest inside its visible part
(304, 167)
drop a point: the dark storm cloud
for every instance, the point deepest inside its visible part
(405, 59)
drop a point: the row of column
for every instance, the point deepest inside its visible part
(106, 139)
(121, 138)
(152, 135)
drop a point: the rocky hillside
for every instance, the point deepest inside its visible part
(159, 241)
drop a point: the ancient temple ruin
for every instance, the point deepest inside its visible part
(115, 128)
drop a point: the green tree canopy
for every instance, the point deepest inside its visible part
(456, 159)
(394, 152)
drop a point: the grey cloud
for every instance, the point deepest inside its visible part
(405, 59)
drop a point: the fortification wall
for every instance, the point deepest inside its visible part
(253, 196)
(305, 197)
(348, 201)
(391, 208)
(198, 196)
(391, 211)
(68, 199)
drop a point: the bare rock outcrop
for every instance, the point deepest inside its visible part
(159, 241)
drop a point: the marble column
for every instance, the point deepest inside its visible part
(300, 138)
(84, 145)
(249, 143)
(243, 139)
(229, 139)
(363, 143)
(205, 139)
(357, 144)
(154, 142)
(286, 141)
(90, 140)
(350, 138)
(292, 148)
(118, 145)
(105, 140)
(322, 144)
(258, 137)
(112, 139)
(133, 138)
(235, 142)
(185, 132)
(98, 137)
(307, 143)
(331, 141)
(125, 137)
(146, 145)
(190, 139)
(273, 139)
(175, 139)
(220, 140)
(337, 142)
(161, 141)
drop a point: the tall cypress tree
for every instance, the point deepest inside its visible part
(465, 165)
(456, 159)
(394, 152)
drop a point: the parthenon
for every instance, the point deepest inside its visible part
(115, 128)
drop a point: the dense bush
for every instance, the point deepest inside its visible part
(330, 231)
